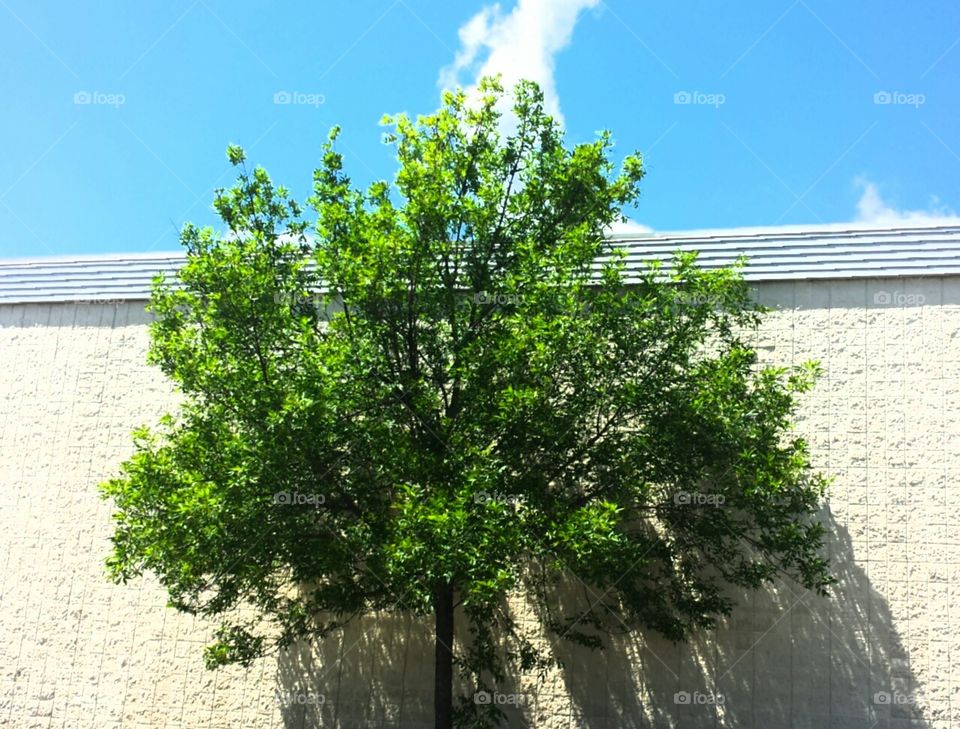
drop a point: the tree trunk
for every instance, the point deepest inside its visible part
(443, 668)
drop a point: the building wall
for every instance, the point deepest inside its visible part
(78, 651)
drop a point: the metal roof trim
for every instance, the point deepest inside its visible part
(789, 253)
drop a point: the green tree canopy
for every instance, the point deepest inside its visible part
(447, 388)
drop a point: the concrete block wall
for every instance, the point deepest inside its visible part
(79, 652)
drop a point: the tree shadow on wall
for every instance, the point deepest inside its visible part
(785, 658)
(372, 673)
(377, 672)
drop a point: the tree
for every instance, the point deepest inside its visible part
(450, 390)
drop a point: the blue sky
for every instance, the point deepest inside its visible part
(116, 115)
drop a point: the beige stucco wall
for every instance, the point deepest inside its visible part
(77, 651)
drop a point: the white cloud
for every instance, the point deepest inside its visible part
(630, 228)
(518, 45)
(872, 208)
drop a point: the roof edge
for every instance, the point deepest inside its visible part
(780, 253)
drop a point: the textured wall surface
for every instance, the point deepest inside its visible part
(78, 651)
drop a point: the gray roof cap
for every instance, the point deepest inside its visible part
(774, 254)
